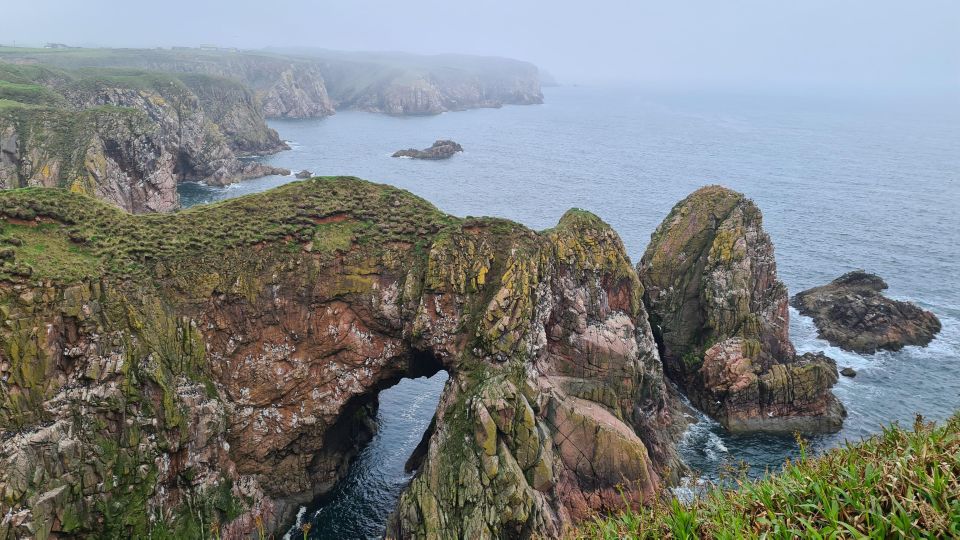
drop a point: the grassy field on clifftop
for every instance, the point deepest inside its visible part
(900, 483)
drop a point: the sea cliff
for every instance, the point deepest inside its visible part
(162, 375)
(126, 136)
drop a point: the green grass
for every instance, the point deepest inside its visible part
(898, 484)
(48, 251)
(32, 94)
(329, 214)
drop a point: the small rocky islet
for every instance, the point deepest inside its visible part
(441, 149)
(852, 313)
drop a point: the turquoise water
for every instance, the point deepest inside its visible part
(843, 184)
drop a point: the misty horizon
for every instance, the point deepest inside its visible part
(874, 47)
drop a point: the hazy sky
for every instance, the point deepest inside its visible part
(900, 44)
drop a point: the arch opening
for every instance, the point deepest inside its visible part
(391, 425)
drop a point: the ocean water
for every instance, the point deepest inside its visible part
(843, 184)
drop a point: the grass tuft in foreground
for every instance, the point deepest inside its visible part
(899, 483)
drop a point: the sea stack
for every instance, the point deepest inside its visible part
(852, 313)
(721, 320)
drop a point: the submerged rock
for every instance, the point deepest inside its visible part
(230, 376)
(852, 313)
(442, 149)
(721, 318)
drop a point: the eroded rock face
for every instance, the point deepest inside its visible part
(130, 139)
(442, 149)
(232, 373)
(115, 155)
(722, 319)
(851, 312)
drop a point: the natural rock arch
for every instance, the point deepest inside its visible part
(205, 363)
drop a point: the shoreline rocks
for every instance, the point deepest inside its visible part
(852, 313)
(441, 149)
(304, 174)
(721, 319)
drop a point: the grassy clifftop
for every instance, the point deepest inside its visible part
(898, 484)
(83, 238)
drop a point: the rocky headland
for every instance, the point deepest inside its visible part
(852, 313)
(442, 149)
(721, 319)
(169, 375)
(407, 84)
(125, 136)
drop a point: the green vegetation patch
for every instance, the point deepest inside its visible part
(897, 484)
(48, 251)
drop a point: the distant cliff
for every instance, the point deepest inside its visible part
(127, 136)
(283, 87)
(410, 84)
(313, 83)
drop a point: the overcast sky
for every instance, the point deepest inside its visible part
(902, 44)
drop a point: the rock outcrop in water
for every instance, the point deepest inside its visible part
(721, 318)
(442, 149)
(215, 368)
(852, 313)
(127, 137)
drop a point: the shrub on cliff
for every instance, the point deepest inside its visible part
(899, 483)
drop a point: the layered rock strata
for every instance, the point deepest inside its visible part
(721, 318)
(851, 312)
(212, 369)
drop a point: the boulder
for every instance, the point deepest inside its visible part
(304, 174)
(852, 313)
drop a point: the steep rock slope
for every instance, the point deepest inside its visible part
(852, 312)
(722, 318)
(126, 136)
(114, 154)
(209, 370)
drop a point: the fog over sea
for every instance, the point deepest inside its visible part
(843, 183)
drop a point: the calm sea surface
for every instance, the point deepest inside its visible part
(843, 184)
